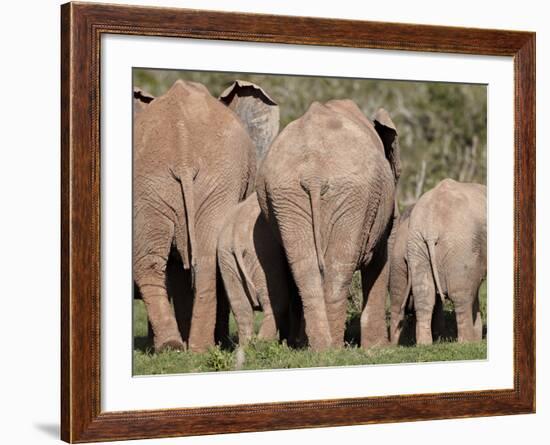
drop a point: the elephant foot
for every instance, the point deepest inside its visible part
(202, 346)
(239, 358)
(375, 342)
(395, 337)
(201, 337)
(267, 334)
(268, 328)
(374, 337)
(170, 344)
(424, 327)
(424, 338)
(374, 332)
(320, 343)
(425, 342)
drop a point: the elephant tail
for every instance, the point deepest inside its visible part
(431, 252)
(188, 256)
(407, 292)
(249, 284)
(315, 189)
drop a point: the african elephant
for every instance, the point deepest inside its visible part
(255, 273)
(326, 187)
(447, 255)
(193, 162)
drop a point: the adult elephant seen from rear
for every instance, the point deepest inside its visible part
(327, 189)
(193, 162)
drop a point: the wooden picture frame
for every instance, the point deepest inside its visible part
(82, 26)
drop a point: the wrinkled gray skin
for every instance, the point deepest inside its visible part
(193, 162)
(251, 262)
(447, 256)
(255, 273)
(327, 187)
(400, 284)
(399, 273)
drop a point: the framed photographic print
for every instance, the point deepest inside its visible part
(275, 222)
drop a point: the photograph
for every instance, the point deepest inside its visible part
(277, 221)
(285, 221)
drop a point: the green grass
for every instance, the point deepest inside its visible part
(274, 355)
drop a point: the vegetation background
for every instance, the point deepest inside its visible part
(442, 126)
(442, 133)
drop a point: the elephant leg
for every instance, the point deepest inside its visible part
(150, 259)
(374, 279)
(245, 325)
(236, 294)
(161, 316)
(465, 323)
(399, 299)
(478, 322)
(310, 287)
(337, 310)
(338, 278)
(464, 317)
(150, 334)
(396, 325)
(424, 302)
(305, 259)
(268, 328)
(438, 320)
(201, 335)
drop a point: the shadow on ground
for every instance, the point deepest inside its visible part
(351, 337)
(408, 336)
(143, 344)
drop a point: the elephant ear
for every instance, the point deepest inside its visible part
(141, 100)
(385, 128)
(258, 112)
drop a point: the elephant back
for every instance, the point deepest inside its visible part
(187, 126)
(453, 213)
(328, 142)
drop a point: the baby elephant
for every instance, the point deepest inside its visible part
(400, 284)
(254, 271)
(444, 238)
